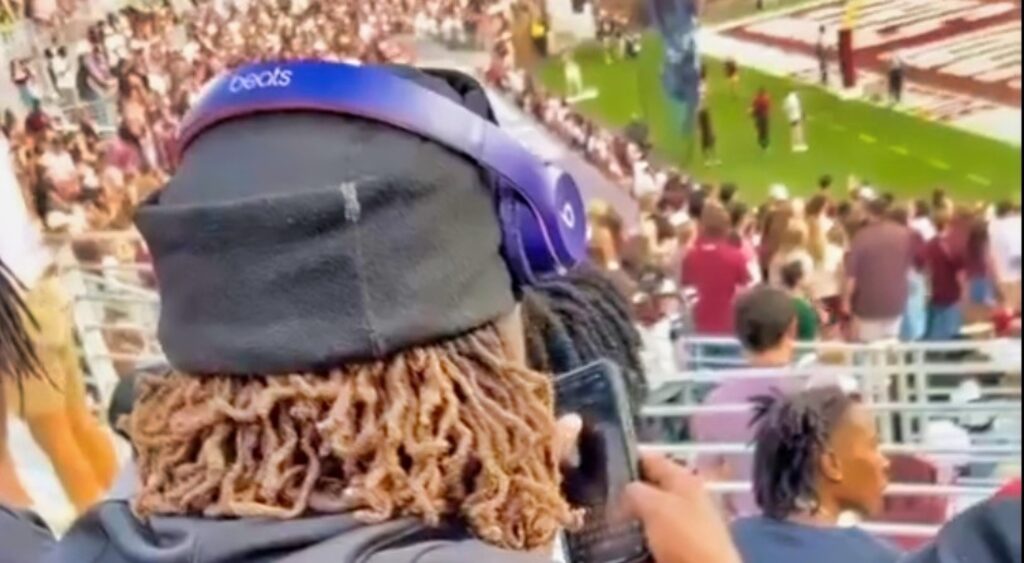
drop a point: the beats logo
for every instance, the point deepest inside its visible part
(569, 215)
(277, 78)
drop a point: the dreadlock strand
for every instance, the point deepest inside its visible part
(449, 430)
(18, 356)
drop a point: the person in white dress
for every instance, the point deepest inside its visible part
(1005, 236)
(795, 114)
(573, 77)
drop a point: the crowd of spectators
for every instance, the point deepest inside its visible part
(862, 266)
(100, 122)
(124, 89)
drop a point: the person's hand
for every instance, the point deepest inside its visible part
(567, 437)
(681, 522)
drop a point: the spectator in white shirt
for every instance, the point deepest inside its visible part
(922, 221)
(643, 180)
(1005, 237)
(64, 75)
(795, 114)
(59, 168)
(827, 248)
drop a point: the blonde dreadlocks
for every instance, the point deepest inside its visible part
(450, 430)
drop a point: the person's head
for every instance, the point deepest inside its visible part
(727, 193)
(795, 236)
(740, 217)
(817, 455)
(825, 182)
(844, 210)
(715, 223)
(877, 209)
(1005, 208)
(817, 206)
(371, 357)
(942, 220)
(939, 199)
(676, 194)
(838, 237)
(576, 320)
(766, 325)
(793, 275)
(900, 214)
(922, 209)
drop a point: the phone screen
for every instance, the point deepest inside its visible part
(607, 463)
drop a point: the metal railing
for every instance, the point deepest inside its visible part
(896, 381)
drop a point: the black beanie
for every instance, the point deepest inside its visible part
(296, 242)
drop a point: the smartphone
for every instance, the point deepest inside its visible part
(608, 461)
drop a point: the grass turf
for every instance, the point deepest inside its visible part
(896, 152)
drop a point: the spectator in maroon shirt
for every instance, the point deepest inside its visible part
(37, 121)
(878, 276)
(717, 270)
(761, 110)
(946, 279)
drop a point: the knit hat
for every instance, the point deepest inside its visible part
(292, 242)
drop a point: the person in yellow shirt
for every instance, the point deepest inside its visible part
(54, 407)
(539, 35)
(35, 309)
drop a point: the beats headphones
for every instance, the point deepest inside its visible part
(540, 208)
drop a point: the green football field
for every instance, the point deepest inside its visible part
(896, 152)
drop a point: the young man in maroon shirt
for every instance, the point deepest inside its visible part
(946, 277)
(717, 270)
(761, 110)
(878, 276)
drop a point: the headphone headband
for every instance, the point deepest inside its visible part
(376, 94)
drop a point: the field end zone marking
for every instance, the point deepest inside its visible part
(837, 127)
(981, 180)
(940, 164)
(868, 139)
(902, 151)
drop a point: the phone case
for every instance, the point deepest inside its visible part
(575, 384)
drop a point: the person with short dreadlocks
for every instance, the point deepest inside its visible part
(577, 319)
(816, 457)
(23, 536)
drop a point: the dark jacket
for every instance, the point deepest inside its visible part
(24, 538)
(110, 533)
(987, 533)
